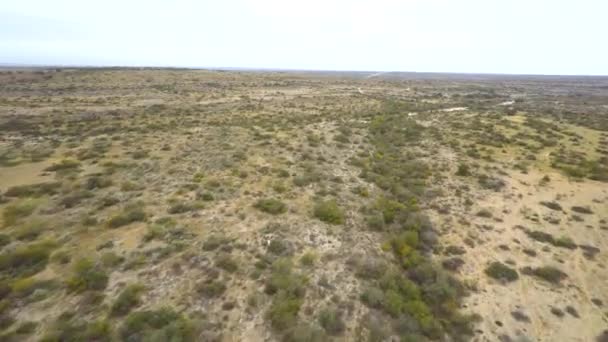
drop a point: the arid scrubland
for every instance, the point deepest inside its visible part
(192, 205)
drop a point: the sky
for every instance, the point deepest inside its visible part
(475, 36)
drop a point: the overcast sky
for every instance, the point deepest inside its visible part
(490, 36)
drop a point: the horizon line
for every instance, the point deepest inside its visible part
(222, 68)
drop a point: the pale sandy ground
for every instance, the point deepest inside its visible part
(498, 239)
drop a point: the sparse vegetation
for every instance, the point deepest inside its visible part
(271, 206)
(329, 211)
(87, 276)
(127, 300)
(361, 204)
(500, 271)
(128, 215)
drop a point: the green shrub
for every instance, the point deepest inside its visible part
(373, 297)
(75, 198)
(500, 271)
(288, 290)
(215, 241)
(205, 196)
(4, 240)
(540, 236)
(127, 300)
(404, 247)
(331, 320)
(128, 215)
(565, 242)
(61, 257)
(17, 211)
(390, 209)
(279, 247)
(226, 262)
(211, 289)
(306, 178)
(26, 328)
(26, 260)
(33, 190)
(180, 208)
(98, 182)
(64, 165)
(283, 312)
(375, 222)
(303, 332)
(552, 205)
(30, 231)
(328, 211)
(87, 276)
(69, 328)
(463, 170)
(159, 325)
(111, 259)
(107, 201)
(582, 210)
(308, 259)
(547, 273)
(26, 286)
(271, 206)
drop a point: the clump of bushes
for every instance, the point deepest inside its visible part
(308, 259)
(491, 183)
(463, 170)
(30, 231)
(271, 205)
(404, 247)
(227, 263)
(211, 288)
(180, 208)
(215, 241)
(130, 214)
(33, 190)
(127, 300)
(24, 287)
(157, 325)
(563, 242)
(420, 298)
(329, 211)
(500, 271)
(288, 290)
(26, 260)
(306, 178)
(331, 320)
(68, 327)
(87, 276)
(205, 196)
(547, 273)
(64, 165)
(552, 205)
(75, 198)
(16, 211)
(582, 210)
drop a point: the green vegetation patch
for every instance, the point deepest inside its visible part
(130, 214)
(271, 205)
(500, 271)
(129, 298)
(34, 190)
(87, 276)
(157, 325)
(26, 260)
(14, 212)
(329, 211)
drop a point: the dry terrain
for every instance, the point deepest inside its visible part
(199, 205)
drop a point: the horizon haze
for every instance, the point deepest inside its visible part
(472, 36)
